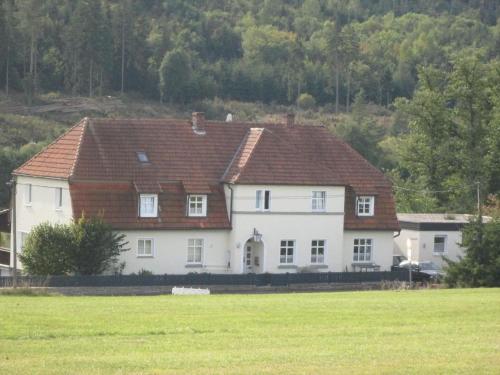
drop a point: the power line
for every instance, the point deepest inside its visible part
(426, 191)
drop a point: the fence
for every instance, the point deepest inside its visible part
(201, 279)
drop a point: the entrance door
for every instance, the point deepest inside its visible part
(248, 259)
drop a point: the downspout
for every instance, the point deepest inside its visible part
(231, 205)
(398, 234)
(13, 229)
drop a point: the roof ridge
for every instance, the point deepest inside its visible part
(85, 124)
(239, 149)
(30, 160)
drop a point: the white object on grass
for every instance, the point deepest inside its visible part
(181, 291)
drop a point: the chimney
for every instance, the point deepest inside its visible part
(290, 119)
(198, 121)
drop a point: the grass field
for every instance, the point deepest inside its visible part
(431, 331)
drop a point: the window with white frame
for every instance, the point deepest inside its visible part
(28, 194)
(145, 247)
(21, 240)
(318, 200)
(439, 244)
(263, 200)
(195, 251)
(148, 205)
(59, 198)
(363, 248)
(287, 248)
(365, 205)
(197, 205)
(317, 251)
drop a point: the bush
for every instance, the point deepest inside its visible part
(85, 247)
(306, 101)
(48, 250)
(97, 246)
(481, 264)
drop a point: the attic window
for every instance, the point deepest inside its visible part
(142, 157)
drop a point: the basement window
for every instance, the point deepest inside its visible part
(142, 157)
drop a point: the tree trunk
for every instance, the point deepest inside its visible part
(91, 77)
(348, 96)
(123, 54)
(337, 79)
(73, 83)
(100, 83)
(7, 71)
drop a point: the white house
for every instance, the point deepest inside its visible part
(433, 236)
(221, 197)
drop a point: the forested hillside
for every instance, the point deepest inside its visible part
(412, 85)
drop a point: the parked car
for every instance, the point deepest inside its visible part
(427, 267)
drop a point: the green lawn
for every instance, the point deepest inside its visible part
(432, 331)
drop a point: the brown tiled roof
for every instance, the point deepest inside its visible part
(58, 159)
(100, 158)
(118, 204)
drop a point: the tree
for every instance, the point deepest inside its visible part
(48, 249)
(96, 248)
(480, 267)
(470, 88)
(32, 18)
(427, 146)
(175, 76)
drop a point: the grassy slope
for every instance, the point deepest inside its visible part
(446, 331)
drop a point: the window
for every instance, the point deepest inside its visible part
(286, 251)
(318, 251)
(195, 251)
(142, 157)
(262, 200)
(197, 205)
(365, 206)
(22, 240)
(59, 198)
(148, 206)
(362, 250)
(318, 200)
(27, 194)
(145, 247)
(439, 244)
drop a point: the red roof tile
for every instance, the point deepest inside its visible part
(58, 159)
(104, 152)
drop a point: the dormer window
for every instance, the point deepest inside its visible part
(197, 205)
(142, 157)
(148, 205)
(365, 205)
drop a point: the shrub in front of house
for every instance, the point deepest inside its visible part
(48, 249)
(87, 246)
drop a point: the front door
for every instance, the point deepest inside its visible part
(248, 259)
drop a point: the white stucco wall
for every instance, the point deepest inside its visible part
(424, 245)
(171, 249)
(43, 205)
(290, 218)
(381, 251)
